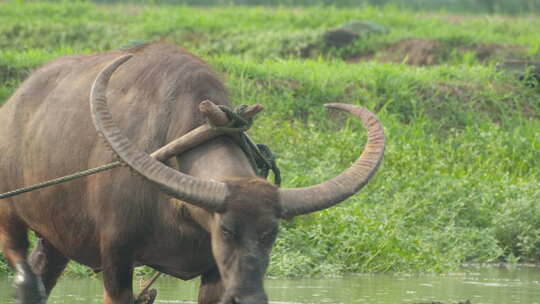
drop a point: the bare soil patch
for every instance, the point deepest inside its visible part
(426, 52)
(414, 51)
(485, 52)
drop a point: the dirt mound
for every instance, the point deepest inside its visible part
(485, 52)
(422, 52)
(426, 52)
(414, 51)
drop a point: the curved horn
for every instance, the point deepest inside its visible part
(209, 195)
(329, 193)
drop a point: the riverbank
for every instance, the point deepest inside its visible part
(462, 165)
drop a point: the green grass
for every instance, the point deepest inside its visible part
(458, 181)
(477, 6)
(462, 165)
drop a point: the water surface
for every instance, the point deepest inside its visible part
(479, 285)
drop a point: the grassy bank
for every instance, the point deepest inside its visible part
(460, 175)
(476, 6)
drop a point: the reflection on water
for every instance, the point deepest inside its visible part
(479, 285)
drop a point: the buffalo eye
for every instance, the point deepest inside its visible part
(269, 236)
(228, 233)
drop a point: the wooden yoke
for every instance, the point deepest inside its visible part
(203, 133)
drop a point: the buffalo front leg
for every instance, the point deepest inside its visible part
(117, 265)
(211, 289)
(14, 240)
(47, 263)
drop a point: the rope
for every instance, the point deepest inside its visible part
(61, 179)
(270, 163)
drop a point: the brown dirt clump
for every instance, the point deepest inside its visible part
(415, 51)
(425, 52)
(485, 52)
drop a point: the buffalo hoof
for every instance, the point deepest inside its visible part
(146, 297)
(28, 287)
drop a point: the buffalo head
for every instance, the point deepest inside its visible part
(244, 212)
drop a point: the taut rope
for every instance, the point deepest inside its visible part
(61, 179)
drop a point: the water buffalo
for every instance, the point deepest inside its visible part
(203, 213)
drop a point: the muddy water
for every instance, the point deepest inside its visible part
(479, 285)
